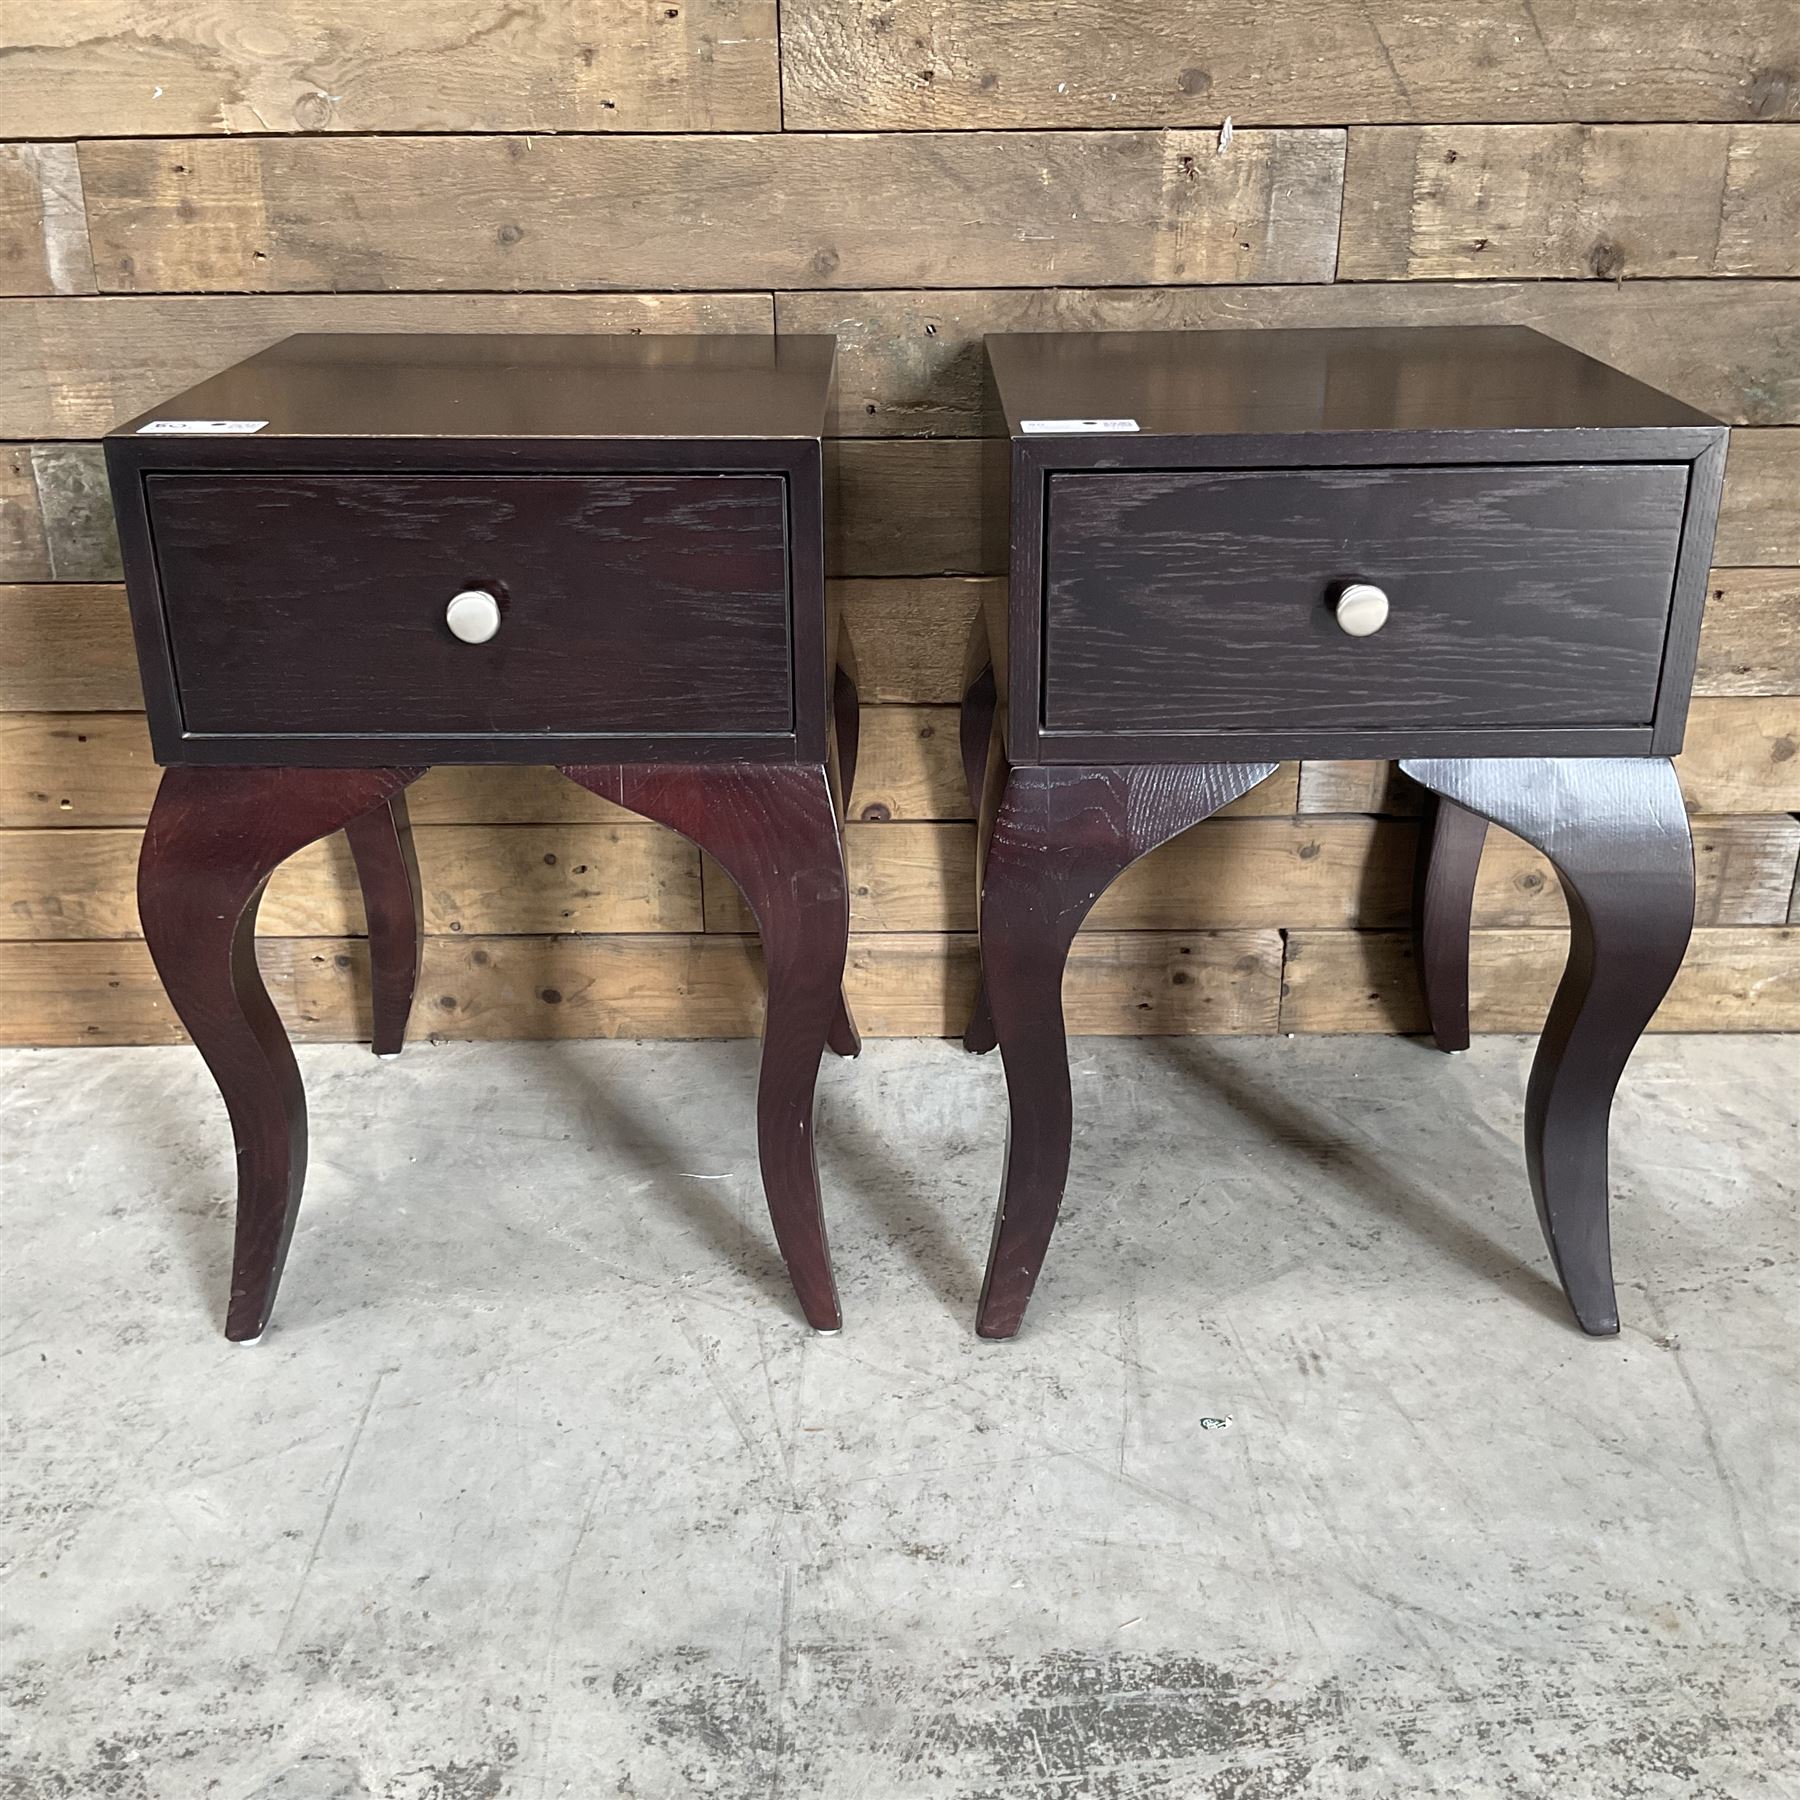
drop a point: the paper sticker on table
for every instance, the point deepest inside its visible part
(205, 427)
(1045, 427)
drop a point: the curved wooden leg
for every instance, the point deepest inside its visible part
(1617, 832)
(1060, 838)
(214, 838)
(388, 870)
(979, 703)
(846, 716)
(773, 828)
(1450, 843)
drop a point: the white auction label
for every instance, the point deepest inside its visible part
(1045, 427)
(205, 427)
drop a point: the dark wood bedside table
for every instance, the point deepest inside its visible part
(351, 557)
(1471, 549)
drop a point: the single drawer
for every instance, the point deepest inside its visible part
(1522, 595)
(302, 604)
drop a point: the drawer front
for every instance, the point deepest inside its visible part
(302, 604)
(1527, 595)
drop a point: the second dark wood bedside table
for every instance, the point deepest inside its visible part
(1471, 549)
(351, 557)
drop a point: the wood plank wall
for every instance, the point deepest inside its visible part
(181, 184)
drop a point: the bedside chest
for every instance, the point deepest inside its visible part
(1471, 549)
(352, 557)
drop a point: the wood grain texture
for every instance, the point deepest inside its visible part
(43, 221)
(913, 506)
(1357, 787)
(72, 370)
(1741, 868)
(68, 648)
(1117, 985)
(115, 68)
(1570, 202)
(1312, 873)
(909, 634)
(1759, 515)
(1742, 756)
(902, 65)
(56, 519)
(93, 768)
(1351, 981)
(694, 635)
(1230, 872)
(476, 879)
(24, 553)
(266, 215)
(911, 363)
(96, 769)
(1750, 639)
(1520, 597)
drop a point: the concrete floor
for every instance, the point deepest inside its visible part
(1299, 1482)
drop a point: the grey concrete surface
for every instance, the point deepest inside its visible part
(1299, 1482)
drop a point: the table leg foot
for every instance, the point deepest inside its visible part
(214, 838)
(1060, 837)
(1617, 834)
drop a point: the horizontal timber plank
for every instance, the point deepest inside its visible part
(56, 520)
(622, 876)
(95, 768)
(915, 64)
(68, 649)
(69, 645)
(123, 68)
(261, 215)
(1750, 637)
(912, 363)
(1314, 873)
(1359, 787)
(43, 226)
(673, 985)
(75, 369)
(1348, 981)
(1570, 202)
(1740, 757)
(910, 633)
(1759, 513)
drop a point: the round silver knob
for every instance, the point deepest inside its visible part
(1361, 608)
(473, 615)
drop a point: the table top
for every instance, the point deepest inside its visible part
(518, 385)
(1371, 378)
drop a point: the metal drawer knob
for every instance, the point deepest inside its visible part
(1362, 608)
(473, 616)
